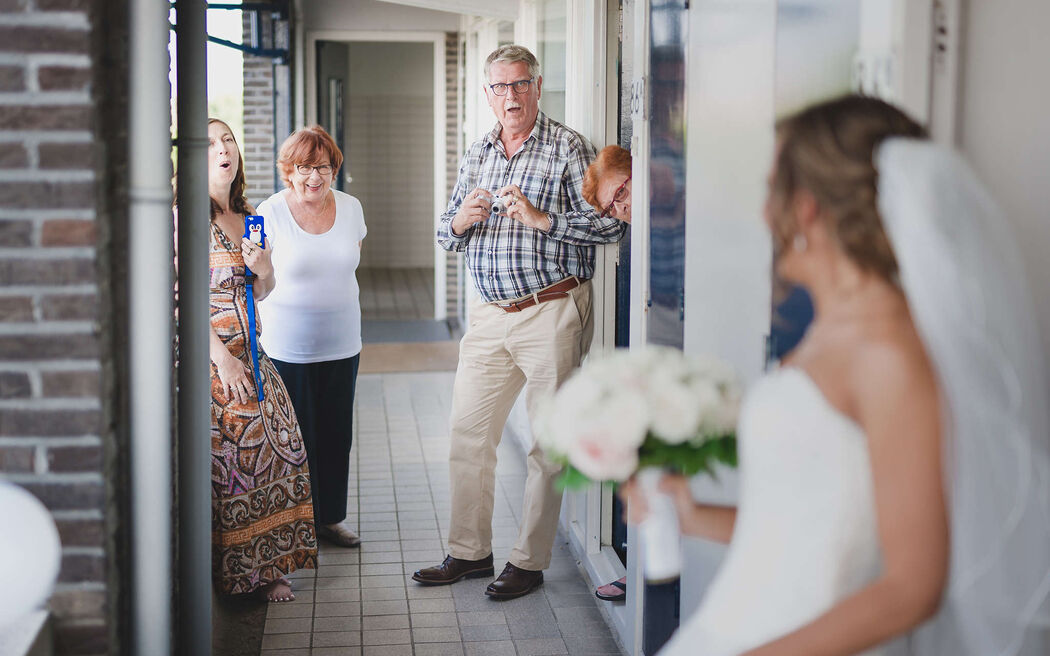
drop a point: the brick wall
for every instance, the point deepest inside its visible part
(453, 153)
(57, 154)
(259, 89)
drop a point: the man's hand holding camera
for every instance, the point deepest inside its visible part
(521, 210)
(508, 201)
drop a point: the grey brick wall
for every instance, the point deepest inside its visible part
(453, 153)
(62, 150)
(258, 146)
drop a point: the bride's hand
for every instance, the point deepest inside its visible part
(676, 486)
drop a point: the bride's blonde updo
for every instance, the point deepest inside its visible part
(828, 149)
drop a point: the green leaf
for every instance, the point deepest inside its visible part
(571, 479)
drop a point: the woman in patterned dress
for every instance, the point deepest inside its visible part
(262, 516)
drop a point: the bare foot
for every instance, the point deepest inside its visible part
(279, 590)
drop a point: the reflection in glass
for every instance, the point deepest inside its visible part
(552, 19)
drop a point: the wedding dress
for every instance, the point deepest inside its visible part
(805, 535)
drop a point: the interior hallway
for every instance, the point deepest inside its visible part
(362, 602)
(396, 294)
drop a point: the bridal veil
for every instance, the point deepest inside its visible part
(962, 274)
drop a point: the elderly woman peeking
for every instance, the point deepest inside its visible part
(607, 183)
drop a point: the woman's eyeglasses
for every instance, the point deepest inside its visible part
(619, 195)
(306, 169)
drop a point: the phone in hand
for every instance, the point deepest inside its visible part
(254, 232)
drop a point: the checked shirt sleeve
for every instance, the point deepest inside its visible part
(581, 225)
(445, 237)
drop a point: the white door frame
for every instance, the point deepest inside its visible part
(306, 89)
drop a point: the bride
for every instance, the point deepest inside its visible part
(894, 485)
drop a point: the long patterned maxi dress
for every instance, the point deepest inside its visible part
(262, 516)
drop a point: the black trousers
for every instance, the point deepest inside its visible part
(323, 396)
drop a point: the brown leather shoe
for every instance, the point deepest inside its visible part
(454, 569)
(514, 582)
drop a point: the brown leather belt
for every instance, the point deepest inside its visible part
(557, 290)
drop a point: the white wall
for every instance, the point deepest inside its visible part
(390, 137)
(1004, 129)
(729, 144)
(362, 15)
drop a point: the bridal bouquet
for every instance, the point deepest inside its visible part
(643, 411)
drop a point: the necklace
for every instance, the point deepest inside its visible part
(312, 217)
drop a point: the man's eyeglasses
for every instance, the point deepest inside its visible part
(520, 87)
(619, 195)
(306, 169)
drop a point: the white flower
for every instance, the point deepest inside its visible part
(605, 445)
(602, 414)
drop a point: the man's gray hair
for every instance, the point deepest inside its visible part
(510, 54)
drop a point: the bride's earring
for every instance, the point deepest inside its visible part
(799, 243)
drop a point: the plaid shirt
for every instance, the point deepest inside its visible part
(507, 259)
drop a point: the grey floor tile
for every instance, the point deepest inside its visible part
(485, 632)
(388, 650)
(541, 647)
(287, 610)
(337, 639)
(385, 581)
(382, 594)
(328, 571)
(380, 569)
(338, 594)
(345, 624)
(290, 625)
(591, 646)
(417, 591)
(335, 651)
(345, 557)
(496, 648)
(384, 622)
(591, 614)
(583, 629)
(381, 557)
(429, 620)
(427, 605)
(336, 582)
(482, 618)
(283, 652)
(337, 609)
(285, 640)
(439, 649)
(436, 634)
(386, 637)
(394, 607)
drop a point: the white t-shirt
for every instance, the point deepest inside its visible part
(313, 313)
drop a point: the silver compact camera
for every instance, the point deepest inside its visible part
(501, 204)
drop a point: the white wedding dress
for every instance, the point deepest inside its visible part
(805, 534)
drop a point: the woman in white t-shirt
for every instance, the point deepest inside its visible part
(313, 316)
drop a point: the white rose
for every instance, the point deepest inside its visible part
(605, 445)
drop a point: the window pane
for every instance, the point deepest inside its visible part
(551, 33)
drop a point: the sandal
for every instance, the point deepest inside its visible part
(340, 534)
(615, 591)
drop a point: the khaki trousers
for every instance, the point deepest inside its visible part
(500, 353)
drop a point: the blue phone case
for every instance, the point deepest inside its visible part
(254, 229)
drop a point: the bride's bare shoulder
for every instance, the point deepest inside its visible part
(891, 373)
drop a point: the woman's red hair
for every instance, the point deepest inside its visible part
(610, 160)
(311, 145)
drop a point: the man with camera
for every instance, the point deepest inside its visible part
(518, 213)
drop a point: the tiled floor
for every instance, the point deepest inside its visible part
(391, 294)
(362, 602)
